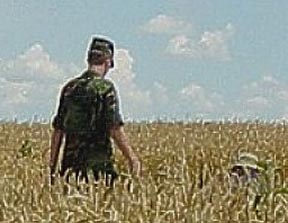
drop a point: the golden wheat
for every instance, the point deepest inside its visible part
(184, 176)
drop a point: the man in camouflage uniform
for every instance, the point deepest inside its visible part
(88, 122)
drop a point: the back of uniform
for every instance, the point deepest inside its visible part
(88, 108)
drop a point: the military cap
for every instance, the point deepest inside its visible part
(100, 48)
(248, 160)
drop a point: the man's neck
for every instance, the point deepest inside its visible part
(98, 70)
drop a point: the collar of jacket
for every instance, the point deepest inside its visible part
(91, 74)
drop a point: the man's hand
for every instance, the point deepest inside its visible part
(52, 177)
(135, 166)
(56, 140)
(119, 136)
(52, 166)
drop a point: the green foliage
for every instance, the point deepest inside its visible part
(26, 149)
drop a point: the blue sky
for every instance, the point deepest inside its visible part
(175, 58)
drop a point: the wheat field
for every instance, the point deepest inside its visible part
(184, 176)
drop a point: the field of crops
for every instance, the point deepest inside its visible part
(184, 176)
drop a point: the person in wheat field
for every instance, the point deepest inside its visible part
(87, 117)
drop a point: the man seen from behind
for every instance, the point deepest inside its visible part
(87, 117)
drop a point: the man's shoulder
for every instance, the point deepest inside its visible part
(69, 85)
(103, 85)
(105, 81)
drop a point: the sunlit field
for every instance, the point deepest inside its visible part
(185, 176)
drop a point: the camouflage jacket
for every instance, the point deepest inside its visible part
(85, 148)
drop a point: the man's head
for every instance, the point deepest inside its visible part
(101, 52)
(244, 169)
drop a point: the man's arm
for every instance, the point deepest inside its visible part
(57, 132)
(56, 141)
(119, 137)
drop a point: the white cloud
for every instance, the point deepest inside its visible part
(30, 83)
(193, 91)
(282, 94)
(34, 65)
(257, 103)
(166, 24)
(182, 45)
(196, 98)
(210, 45)
(270, 80)
(159, 100)
(161, 93)
(13, 93)
(37, 60)
(267, 86)
(136, 102)
(265, 97)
